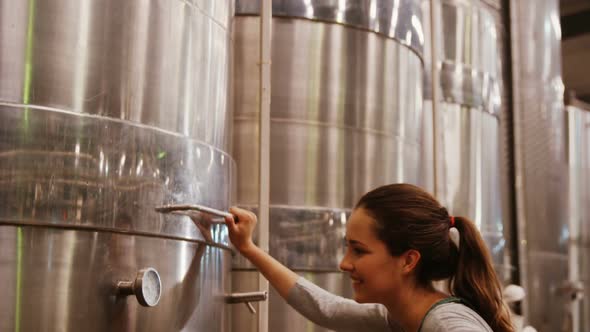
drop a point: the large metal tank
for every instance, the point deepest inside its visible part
(578, 119)
(107, 110)
(468, 58)
(346, 116)
(541, 168)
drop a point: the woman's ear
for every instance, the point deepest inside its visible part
(410, 260)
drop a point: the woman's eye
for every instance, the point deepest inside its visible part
(358, 251)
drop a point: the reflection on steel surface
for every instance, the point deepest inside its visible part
(579, 210)
(470, 169)
(108, 109)
(541, 160)
(305, 238)
(82, 171)
(397, 19)
(65, 280)
(347, 116)
(465, 86)
(346, 113)
(308, 239)
(160, 63)
(467, 119)
(470, 55)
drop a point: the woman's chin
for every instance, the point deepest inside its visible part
(363, 297)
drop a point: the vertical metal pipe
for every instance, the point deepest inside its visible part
(518, 176)
(509, 117)
(574, 162)
(264, 143)
(435, 93)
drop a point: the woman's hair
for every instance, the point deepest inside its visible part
(407, 218)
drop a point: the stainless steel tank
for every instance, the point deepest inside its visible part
(469, 75)
(107, 110)
(346, 117)
(578, 287)
(541, 160)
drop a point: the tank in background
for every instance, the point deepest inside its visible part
(346, 117)
(577, 289)
(107, 110)
(541, 164)
(470, 151)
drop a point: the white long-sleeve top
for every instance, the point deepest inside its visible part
(345, 315)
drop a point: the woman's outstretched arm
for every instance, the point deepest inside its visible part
(316, 304)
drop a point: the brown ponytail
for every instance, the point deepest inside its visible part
(475, 279)
(407, 217)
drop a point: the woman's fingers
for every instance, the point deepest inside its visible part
(239, 212)
(246, 221)
(231, 221)
(231, 224)
(245, 217)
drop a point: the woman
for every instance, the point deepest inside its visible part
(399, 240)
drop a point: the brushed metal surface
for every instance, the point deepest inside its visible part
(540, 156)
(468, 148)
(471, 168)
(107, 110)
(342, 121)
(401, 20)
(547, 272)
(542, 126)
(241, 317)
(469, 32)
(125, 112)
(160, 63)
(579, 227)
(470, 70)
(304, 238)
(428, 155)
(470, 61)
(63, 169)
(65, 280)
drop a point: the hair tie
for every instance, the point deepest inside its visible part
(452, 221)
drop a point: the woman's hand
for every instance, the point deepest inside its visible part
(240, 233)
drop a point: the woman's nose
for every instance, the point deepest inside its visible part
(345, 264)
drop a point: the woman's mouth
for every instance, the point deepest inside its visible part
(355, 281)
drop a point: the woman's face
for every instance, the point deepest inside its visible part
(376, 275)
